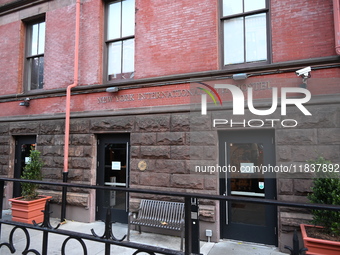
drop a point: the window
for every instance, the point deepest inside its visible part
(35, 55)
(245, 33)
(120, 41)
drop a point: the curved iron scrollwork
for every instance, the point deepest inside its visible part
(108, 234)
(10, 244)
(295, 250)
(139, 251)
(46, 223)
(78, 239)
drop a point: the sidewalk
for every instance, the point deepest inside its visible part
(119, 230)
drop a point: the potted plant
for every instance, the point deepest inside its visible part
(29, 206)
(323, 237)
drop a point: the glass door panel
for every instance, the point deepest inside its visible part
(247, 182)
(113, 171)
(115, 174)
(246, 152)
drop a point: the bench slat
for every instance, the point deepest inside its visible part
(160, 214)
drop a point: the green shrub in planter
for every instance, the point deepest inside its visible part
(326, 190)
(32, 171)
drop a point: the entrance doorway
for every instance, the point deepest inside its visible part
(23, 146)
(113, 170)
(245, 152)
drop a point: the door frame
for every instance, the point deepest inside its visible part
(266, 136)
(118, 138)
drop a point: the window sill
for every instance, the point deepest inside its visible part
(246, 65)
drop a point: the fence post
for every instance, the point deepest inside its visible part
(195, 227)
(296, 247)
(188, 232)
(2, 185)
(64, 198)
(45, 243)
(192, 233)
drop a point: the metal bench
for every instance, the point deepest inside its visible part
(158, 214)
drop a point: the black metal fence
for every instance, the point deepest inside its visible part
(192, 243)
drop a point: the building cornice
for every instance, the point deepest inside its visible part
(187, 108)
(18, 5)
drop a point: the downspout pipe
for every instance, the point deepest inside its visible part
(68, 110)
(336, 13)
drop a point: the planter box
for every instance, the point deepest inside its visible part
(319, 246)
(27, 211)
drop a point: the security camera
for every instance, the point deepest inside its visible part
(304, 71)
(26, 102)
(112, 89)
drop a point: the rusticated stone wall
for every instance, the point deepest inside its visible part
(167, 144)
(50, 141)
(314, 136)
(318, 135)
(4, 149)
(161, 140)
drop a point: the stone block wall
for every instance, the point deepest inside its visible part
(317, 135)
(50, 141)
(162, 141)
(169, 145)
(314, 136)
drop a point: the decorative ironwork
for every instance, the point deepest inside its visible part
(78, 239)
(108, 234)
(109, 239)
(296, 249)
(139, 251)
(46, 222)
(10, 244)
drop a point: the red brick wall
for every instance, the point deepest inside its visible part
(91, 42)
(5, 2)
(302, 29)
(174, 37)
(10, 58)
(59, 47)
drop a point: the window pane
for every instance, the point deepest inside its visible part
(256, 34)
(233, 41)
(128, 18)
(251, 5)
(128, 57)
(232, 7)
(114, 59)
(34, 39)
(41, 73)
(41, 42)
(114, 19)
(34, 72)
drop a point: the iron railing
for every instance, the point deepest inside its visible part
(192, 243)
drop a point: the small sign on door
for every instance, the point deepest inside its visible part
(27, 160)
(261, 185)
(116, 165)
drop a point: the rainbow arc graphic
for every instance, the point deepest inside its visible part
(204, 97)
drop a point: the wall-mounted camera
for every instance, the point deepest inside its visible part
(26, 102)
(304, 72)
